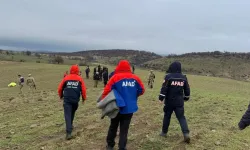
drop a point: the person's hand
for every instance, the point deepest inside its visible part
(160, 102)
(83, 102)
(60, 101)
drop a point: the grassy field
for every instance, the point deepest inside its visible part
(35, 121)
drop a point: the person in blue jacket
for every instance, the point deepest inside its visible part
(175, 90)
(130, 87)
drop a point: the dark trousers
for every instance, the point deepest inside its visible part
(179, 112)
(69, 114)
(245, 120)
(105, 83)
(124, 121)
(87, 75)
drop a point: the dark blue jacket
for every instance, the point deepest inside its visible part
(175, 88)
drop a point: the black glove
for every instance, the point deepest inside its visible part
(186, 98)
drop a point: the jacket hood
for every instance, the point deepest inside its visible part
(175, 67)
(74, 69)
(123, 66)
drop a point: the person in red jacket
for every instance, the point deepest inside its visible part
(130, 87)
(69, 91)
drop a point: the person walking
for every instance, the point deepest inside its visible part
(20, 83)
(105, 77)
(69, 90)
(87, 71)
(130, 88)
(175, 90)
(96, 79)
(31, 83)
(151, 78)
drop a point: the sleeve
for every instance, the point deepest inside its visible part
(141, 88)
(186, 90)
(164, 89)
(83, 90)
(108, 88)
(60, 88)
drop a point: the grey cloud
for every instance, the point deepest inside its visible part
(162, 26)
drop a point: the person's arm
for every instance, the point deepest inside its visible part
(164, 89)
(60, 88)
(186, 90)
(141, 88)
(83, 90)
(108, 88)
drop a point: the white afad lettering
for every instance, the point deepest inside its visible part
(177, 83)
(72, 83)
(128, 83)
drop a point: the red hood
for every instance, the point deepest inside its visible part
(74, 69)
(123, 66)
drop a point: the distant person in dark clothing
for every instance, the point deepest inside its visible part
(105, 77)
(96, 79)
(133, 68)
(87, 71)
(94, 73)
(245, 120)
(175, 90)
(70, 90)
(101, 74)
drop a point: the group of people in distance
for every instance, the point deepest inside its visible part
(30, 82)
(174, 92)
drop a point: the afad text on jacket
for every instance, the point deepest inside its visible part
(128, 85)
(72, 87)
(175, 88)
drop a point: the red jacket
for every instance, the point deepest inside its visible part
(128, 85)
(72, 86)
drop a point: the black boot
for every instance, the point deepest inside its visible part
(187, 138)
(68, 136)
(109, 148)
(163, 134)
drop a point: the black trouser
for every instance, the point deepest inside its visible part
(87, 75)
(124, 121)
(245, 120)
(69, 114)
(179, 112)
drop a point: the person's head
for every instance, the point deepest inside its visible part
(123, 66)
(19, 75)
(66, 72)
(151, 71)
(97, 73)
(74, 69)
(29, 75)
(175, 67)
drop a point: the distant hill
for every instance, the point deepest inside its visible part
(220, 64)
(113, 56)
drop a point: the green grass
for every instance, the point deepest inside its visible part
(213, 113)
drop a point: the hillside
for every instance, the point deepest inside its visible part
(114, 55)
(229, 65)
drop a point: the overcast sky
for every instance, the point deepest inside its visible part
(161, 26)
